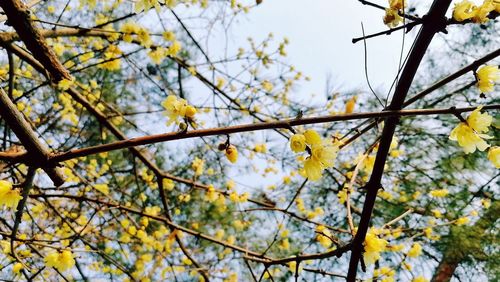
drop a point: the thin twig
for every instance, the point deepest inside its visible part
(26, 187)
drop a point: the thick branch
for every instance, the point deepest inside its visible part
(434, 21)
(18, 15)
(15, 157)
(61, 32)
(37, 151)
(105, 122)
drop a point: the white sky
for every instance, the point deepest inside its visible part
(320, 33)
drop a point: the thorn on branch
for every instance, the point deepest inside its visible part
(363, 264)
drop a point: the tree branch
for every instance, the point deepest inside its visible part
(18, 15)
(284, 124)
(38, 153)
(434, 22)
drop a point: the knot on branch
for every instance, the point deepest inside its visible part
(438, 24)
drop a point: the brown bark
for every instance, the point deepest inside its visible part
(251, 127)
(18, 15)
(444, 271)
(38, 152)
(435, 22)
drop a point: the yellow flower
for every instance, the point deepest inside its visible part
(478, 121)
(313, 169)
(437, 213)
(168, 184)
(174, 48)
(494, 156)
(111, 56)
(415, 250)
(368, 163)
(175, 108)
(468, 139)
(211, 195)
(342, 195)
(198, 166)
(323, 236)
(419, 279)
(16, 268)
(392, 19)
(190, 111)
(267, 86)
(59, 49)
(481, 13)
(168, 36)
(146, 5)
(144, 38)
(463, 10)
(9, 197)
(232, 153)
(439, 193)
(103, 188)
(129, 29)
(496, 3)
(157, 55)
(462, 220)
(260, 148)
(373, 247)
(65, 84)
(394, 143)
(60, 260)
(486, 203)
(351, 103)
(324, 154)
(298, 143)
(486, 78)
(312, 137)
(220, 82)
(384, 271)
(397, 4)
(284, 244)
(292, 266)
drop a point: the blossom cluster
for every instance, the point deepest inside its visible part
(9, 197)
(60, 260)
(373, 246)
(467, 10)
(470, 135)
(322, 153)
(177, 107)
